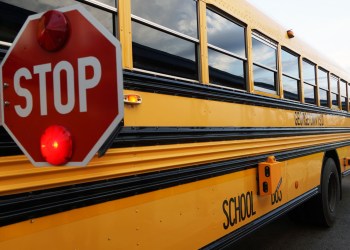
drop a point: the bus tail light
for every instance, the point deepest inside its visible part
(56, 145)
(270, 177)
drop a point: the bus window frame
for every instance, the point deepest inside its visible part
(287, 50)
(314, 85)
(255, 34)
(209, 46)
(321, 88)
(335, 77)
(343, 96)
(169, 31)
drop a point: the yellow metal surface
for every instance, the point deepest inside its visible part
(191, 215)
(249, 63)
(165, 110)
(279, 72)
(344, 158)
(187, 216)
(301, 80)
(203, 43)
(18, 175)
(125, 36)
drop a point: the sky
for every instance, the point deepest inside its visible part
(323, 24)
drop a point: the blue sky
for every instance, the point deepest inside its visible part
(324, 24)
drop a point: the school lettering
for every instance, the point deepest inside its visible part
(237, 209)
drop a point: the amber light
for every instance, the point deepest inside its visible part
(132, 99)
(290, 33)
(56, 145)
(53, 30)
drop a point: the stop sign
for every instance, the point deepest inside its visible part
(64, 72)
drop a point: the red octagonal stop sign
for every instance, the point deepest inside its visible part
(69, 76)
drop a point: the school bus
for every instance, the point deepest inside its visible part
(237, 122)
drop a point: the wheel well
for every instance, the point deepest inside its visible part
(334, 155)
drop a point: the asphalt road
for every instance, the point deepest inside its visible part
(285, 233)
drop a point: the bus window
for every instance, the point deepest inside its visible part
(309, 78)
(226, 51)
(343, 98)
(41, 6)
(290, 76)
(165, 37)
(334, 91)
(264, 64)
(323, 87)
(11, 20)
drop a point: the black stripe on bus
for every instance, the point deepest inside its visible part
(230, 239)
(24, 206)
(148, 136)
(157, 84)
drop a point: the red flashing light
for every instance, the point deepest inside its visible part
(53, 30)
(56, 145)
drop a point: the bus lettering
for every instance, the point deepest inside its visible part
(276, 197)
(237, 209)
(308, 119)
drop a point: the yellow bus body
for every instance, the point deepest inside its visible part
(190, 194)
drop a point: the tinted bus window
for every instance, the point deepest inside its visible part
(225, 34)
(226, 51)
(165, 37)
(290, 64)
(309, 77)
(265, 64)
(178, 15)
(226, 70)
(103, 17)
(264, 54)
(342, 86)
(323, 87)
(334, 91)
(323, 79)
(334, 84)
(323, 94)
(290, 78)
(309, 94)
(12, 19)
(157, 51)
(290, 88)
(309, 73)
(334, 99)
(264, 78)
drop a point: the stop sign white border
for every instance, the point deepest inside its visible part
(113, 40)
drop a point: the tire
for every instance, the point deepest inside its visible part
(327, 201)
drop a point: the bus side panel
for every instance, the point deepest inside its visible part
(184, 216)
(344, 154)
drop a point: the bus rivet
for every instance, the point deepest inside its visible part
(6, 85)
(7, 103)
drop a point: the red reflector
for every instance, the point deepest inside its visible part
(53, 30)
(56, 145)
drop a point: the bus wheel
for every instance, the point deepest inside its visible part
(330, 194)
